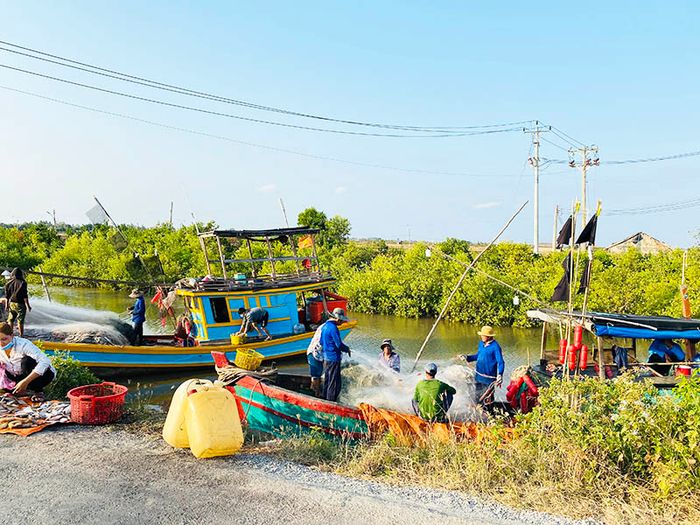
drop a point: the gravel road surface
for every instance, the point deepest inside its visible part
(107, 475)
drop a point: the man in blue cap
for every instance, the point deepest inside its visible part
(432, 398)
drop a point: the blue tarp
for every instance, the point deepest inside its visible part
(645, 333)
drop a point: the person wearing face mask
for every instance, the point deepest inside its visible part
(23, 363)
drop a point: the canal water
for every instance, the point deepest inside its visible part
(520, 346)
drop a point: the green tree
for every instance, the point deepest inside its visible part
(334, 231)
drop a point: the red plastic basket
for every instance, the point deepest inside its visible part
(97, 404)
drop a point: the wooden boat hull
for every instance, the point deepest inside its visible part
(162, 357)
(282, 412)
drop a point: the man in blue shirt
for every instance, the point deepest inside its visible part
(333, 347)
(489, 367)
(662, 351)
(138, 315)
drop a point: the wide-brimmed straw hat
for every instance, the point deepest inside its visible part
(487, 331)
(339, 314)
(135, 293)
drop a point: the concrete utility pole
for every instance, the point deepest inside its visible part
(584, 151)
(535, 162)
(52, 214)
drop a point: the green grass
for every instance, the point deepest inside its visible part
(617, 451)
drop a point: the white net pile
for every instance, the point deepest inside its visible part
(365, 380)
(70, 324)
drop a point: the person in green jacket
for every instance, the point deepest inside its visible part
(432, 398)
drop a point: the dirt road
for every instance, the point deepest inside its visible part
(101, 475)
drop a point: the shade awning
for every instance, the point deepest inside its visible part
(624, 325)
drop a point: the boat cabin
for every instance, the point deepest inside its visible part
(276, 269)
(606, 333)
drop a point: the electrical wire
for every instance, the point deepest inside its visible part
(249, 119)
(655, 159)
(251, 144)
(635, 161)
(659, 208)
(553, 143)
(89, 68)
(557, 132)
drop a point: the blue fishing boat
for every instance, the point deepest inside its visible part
(291, 288)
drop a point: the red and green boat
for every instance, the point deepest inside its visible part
(282, 409)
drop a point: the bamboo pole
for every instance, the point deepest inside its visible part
(252, 264)
(574, 211)
(206, 255)
(221, 257)
(459, 284)
(294, 252)
(43, 283)
(272, 259)
(313, 250)
(543, 341)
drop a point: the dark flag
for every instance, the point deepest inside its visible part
(586, 275)
(565, 234)
(561, 292)
(588, 233)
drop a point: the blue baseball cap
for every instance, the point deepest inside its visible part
(431, 369)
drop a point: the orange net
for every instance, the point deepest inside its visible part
(409, 429)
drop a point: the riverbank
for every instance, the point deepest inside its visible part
(113, 475)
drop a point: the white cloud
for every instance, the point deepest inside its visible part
(267, 188)
(341, 189)
(485, 205)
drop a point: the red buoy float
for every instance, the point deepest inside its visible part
(572, 357)
(583, 358)
(532, 387)
(578, 335)
(562, 350)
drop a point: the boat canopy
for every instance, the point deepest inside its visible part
(626, 326)
(261, 235)
(265, 270)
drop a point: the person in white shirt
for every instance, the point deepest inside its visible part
(23, 362)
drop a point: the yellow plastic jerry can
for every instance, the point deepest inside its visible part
(174, 430)
(212, 422)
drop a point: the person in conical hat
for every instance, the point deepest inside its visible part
(388, 356)
(489, 367)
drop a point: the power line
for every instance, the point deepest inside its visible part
(554, 144)
(251, 144)
(655, 159)
(559, 132)
(89, 68)
(637, 161)
(660, 208)
(249, 119)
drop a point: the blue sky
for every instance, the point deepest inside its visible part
(623, 76)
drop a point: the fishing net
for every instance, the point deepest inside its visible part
(366, 381)
(56, 322)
